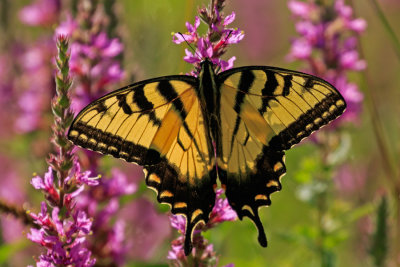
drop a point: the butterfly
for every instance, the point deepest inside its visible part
(188, 131)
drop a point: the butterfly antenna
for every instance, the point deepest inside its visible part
(191, 47)
(229, 34)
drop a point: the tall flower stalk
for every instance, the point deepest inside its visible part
(327, 43)
(212, 46)
(62, 228)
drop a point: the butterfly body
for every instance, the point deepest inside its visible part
(188, 132)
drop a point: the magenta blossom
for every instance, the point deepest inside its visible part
(329, 46)
(41, 13)
(94, 61)
(213, 45)
(62, 236)
(35, 82)
(103, 203)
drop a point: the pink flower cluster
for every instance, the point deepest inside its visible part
(93, 63)
(62, 232)
(328, 43)
(41, 13)
(102, 203)
(214, 44)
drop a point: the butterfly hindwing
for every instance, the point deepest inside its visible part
(265, 111)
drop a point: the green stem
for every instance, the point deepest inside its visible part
(17, 212)
(386, 25)
(390, 169)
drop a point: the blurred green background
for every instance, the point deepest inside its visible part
(291, 224)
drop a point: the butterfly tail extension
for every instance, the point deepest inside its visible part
(247, 192)
(194, 201)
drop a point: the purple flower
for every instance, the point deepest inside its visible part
(349, 60)
(178, 222)
(36, 84)
(102, 202)
(62, 238)
(222, 211)
(301, 9)
(93, 62)
(83, 177)
(117, 243)
(147, 228)
(41, 13)
(95, 66)
(62, 234)
(213, 45)
(67, 27)
(353, 97)
(300, 49)
(191, 36)
(37, 235)
(42, 218)
(47, 185)
(329, 46)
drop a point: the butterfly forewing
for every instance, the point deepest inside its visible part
(294, 104)
(124, 122)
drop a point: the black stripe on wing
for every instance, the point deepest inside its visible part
(144, 104)
(116, 146)
(246, 80)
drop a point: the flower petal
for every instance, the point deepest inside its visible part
(229, 19)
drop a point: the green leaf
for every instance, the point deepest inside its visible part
(379, 246)
(64, 101)
(389, 29)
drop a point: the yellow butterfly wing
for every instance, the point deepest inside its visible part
(159, 124)
(265, 111)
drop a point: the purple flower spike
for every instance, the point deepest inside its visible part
(213, 44)
(41, 13)
(330, 48)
